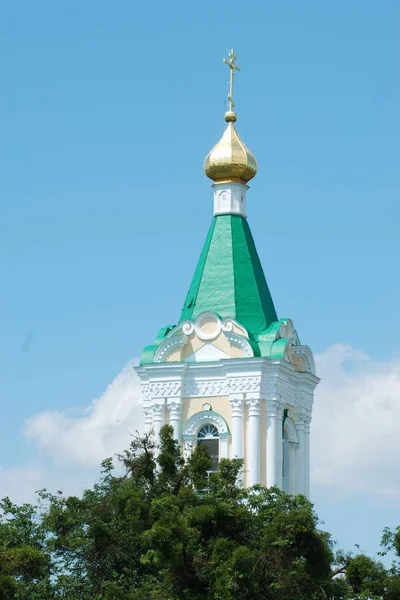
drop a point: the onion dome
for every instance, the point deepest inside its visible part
(230, 160)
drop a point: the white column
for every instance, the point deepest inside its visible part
(274, 443)
(223, 446)
(148, 419)
(253, 442)
(299, 457)
(307, 456)
(237, 404)
(158, 418)
(286, 466)
(292, 467)
(175, 417)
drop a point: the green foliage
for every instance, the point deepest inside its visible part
(168, 530)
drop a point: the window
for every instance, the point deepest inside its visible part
(209, 436)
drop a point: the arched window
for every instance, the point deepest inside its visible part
(209, 436)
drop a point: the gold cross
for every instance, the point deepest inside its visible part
(232, 68)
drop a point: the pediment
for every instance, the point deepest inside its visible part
(208, 338)
(208, 352)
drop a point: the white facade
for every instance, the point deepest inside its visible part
(258, 409)
(230, 198)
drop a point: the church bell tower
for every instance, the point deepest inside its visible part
(230, 374)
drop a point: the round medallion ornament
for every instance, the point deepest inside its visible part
(207, 406)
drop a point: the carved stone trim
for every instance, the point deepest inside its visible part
(145, 387)
(165, 389)
(201, 418)
(274, 407)
(253, 407)
(158, 410)
(237, 405)
(168, 346)
(174, 405)
(244, 384)
(205, 388)
(237, 341)
(307, 356)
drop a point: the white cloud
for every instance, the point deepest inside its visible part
(104, 429)
(355, 423)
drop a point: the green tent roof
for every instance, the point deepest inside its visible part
(229, 279)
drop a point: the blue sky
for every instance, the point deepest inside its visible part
(107, 111)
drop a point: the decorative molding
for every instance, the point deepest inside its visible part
(266, 386)
(244, 384)
(158, 410)
(211, 317)
(145, 387)
(287, 391)
(202, 418)
(188, 328)
(306, 355)
(275, 408)
(174, 406)
(253, 407)
(237, 341)
(302, 418)
(237, 404)
(228, 324)
(165, 389)
(205, 388)
(168, 346)
(148, 412)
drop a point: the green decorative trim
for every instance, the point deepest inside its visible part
(147, 355)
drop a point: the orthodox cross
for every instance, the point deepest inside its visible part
(232, 68)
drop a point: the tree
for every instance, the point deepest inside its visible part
(165, 530)
(25, 563)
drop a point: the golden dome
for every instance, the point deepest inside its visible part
(230, 160)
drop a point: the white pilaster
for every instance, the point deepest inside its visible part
(158, 417)
(223, 446)
(230, 198)
(307, 456)
(148, 419)
(274, 443)
(299, 487)
(237, 404)
(292, 467)
(174, 406)
(253, 438)
(285, 465)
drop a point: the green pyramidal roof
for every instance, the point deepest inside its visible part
(229, 279)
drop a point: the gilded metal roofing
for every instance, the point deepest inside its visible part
(230, 159)
(229, 279)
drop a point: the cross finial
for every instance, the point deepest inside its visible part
(232, 68)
